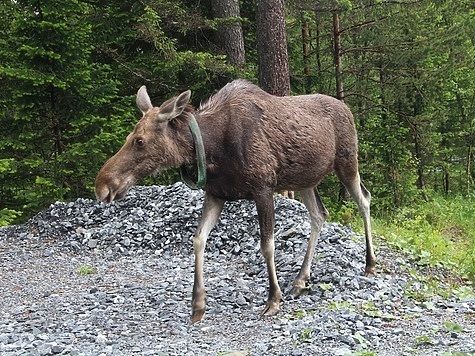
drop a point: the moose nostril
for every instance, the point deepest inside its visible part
(104, 194)
(109, 190)
(110, 197)
(107, 195)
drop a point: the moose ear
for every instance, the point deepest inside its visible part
(174, 107)
(143, 100)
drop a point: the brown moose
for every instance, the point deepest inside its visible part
(255, 144)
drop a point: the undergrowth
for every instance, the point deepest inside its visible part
(440, 232)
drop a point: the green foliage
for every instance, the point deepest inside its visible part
(306, 335)
(70, 70)
(465, 291)
(85, 269)
(364, 353)
(438, 232)
(55, 102)
(343, 305)
(422, 288)
(453, 327)
(299, 314)
(424, 340)
(69, 73)
(325, 286)
(7, 216)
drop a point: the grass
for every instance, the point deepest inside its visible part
(306, 336)
(85, 269)
(440, 232)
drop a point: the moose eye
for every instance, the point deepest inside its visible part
(139, 142)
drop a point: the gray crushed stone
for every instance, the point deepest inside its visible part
(84, 278)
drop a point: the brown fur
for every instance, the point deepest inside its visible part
(255, 144)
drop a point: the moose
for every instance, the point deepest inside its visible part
(243, 143)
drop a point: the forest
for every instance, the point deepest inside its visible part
(69, 72)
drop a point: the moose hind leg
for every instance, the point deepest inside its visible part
(265, 211)
(363, 199)
(212, 208)
(318, 214)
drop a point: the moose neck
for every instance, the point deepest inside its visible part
(200, 157)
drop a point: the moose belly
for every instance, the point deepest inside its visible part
(229, 187)
(297, 175)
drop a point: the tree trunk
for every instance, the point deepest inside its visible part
(418, 109)
(306, 53)
(230, 36)
(470, 140)
(420, 165)
(272, 47)
(318, 51)
(337, 57)
(468, 167)
(446, 182)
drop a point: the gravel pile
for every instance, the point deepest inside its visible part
(84, 278)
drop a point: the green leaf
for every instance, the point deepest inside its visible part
(453, 327)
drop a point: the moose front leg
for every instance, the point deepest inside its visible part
(212, 207)
(265, 211)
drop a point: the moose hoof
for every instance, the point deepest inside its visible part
(370, 271)
(299, 287)
(297, 291)
(271, 309)
(197, 315)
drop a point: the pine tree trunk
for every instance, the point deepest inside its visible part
(420, 167)
(272, 47)
(418, 109)
(306, 54)
(230, 36)
(337, 57)
(318, 59)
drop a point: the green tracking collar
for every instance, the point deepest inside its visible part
(201, 158)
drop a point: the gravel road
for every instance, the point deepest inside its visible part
(84, 278)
